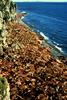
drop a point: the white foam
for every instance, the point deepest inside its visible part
(56, 43)
(45, 37)
(61, 45)
(23, 12)
(60, 49)
(22, 17)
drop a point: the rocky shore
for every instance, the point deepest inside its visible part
(30, 69)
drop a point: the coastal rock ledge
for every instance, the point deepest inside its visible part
(28, 71)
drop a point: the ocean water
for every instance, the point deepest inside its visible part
(49, 20)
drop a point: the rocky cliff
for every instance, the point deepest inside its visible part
(7, 10)
(7, 13)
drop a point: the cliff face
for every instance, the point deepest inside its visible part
(7, 9)
(7, 13)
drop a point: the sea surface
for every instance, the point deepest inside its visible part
(49, 20)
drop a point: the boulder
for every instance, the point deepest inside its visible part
(4, 89)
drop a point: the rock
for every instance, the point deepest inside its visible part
(12, 10)
(1, 21)
(4, 89)
(8, 10)
(7, 13)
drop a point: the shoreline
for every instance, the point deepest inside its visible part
(55, 52)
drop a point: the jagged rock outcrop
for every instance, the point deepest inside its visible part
(7, 13)
(8, 9)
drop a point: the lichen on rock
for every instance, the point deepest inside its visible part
(8, 9)
(7, 13)
(4, 89)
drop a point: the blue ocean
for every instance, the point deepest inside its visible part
(49, 20)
